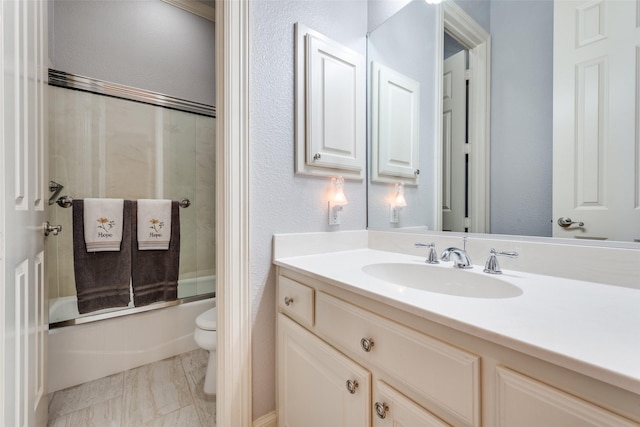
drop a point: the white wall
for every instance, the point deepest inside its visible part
(148, 44)
(282, 202)
(521, 116)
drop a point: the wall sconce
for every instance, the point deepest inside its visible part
(337, 200)
(397, 203)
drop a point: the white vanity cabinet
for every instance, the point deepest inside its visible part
(320, 386)
(412, 371)
(444, 377)
(330, 351)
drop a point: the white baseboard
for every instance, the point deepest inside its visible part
(267, 420)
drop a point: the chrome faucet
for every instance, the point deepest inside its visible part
(460, 257)
(492, 266)
(432, 256)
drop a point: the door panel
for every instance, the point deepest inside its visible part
(596, 157)
(23, 397)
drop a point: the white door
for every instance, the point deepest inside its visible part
(23, 394)
(454, 125)
(596, 157)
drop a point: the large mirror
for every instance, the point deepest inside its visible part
(545, 141)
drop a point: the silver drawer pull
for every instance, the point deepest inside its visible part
(288, 301)
(352, 385)
(381, 410)
(366, 344)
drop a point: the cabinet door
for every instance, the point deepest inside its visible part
(525, 402)
(395, 126)
(330, 107)
(317, 385)
(393, 409)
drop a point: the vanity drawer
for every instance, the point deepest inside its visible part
(296, 300)
(445, 375)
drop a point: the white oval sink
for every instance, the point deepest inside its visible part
(449, 281)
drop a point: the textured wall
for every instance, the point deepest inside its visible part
(521, 117)
(282, 202)
(149, 45)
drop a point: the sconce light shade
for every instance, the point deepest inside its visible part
(339, 199)
(399, 200)
(397, 203)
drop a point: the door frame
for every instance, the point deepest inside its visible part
(232, 214)
(468, 32)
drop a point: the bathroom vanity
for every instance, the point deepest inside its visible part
(356, 347)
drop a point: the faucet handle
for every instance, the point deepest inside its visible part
(492, 266)
(432, 256)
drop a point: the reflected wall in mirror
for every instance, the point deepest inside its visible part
(411, 54)
(525, 116)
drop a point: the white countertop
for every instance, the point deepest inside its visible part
(591, 328)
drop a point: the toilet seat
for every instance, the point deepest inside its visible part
(208, 320)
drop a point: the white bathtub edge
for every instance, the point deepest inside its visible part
(82, 353)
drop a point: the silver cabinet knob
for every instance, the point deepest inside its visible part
(317, 156)
(366, 344)
(47, 229)
(381, 410)
(288, 301)
(352, 385)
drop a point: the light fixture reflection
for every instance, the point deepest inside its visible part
(400, 200)
(397, 203)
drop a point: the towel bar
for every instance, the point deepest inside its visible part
(67, 202)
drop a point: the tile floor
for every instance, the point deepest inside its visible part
(161, 394)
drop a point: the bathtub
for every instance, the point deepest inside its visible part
(88, 351)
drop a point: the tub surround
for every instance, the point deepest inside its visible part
(587, 326)
(565, 332)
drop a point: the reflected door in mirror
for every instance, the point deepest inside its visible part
(596, 179)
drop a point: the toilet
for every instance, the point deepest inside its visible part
(206, 336)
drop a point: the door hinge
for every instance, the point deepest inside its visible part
(467, 222)
(467, 148)
(467, 74)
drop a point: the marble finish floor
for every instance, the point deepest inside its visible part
(161, 394)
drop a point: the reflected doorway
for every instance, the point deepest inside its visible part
(455, 137)
(465, 161)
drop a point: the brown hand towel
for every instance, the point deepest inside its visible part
(102, 278)
(154, 273)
